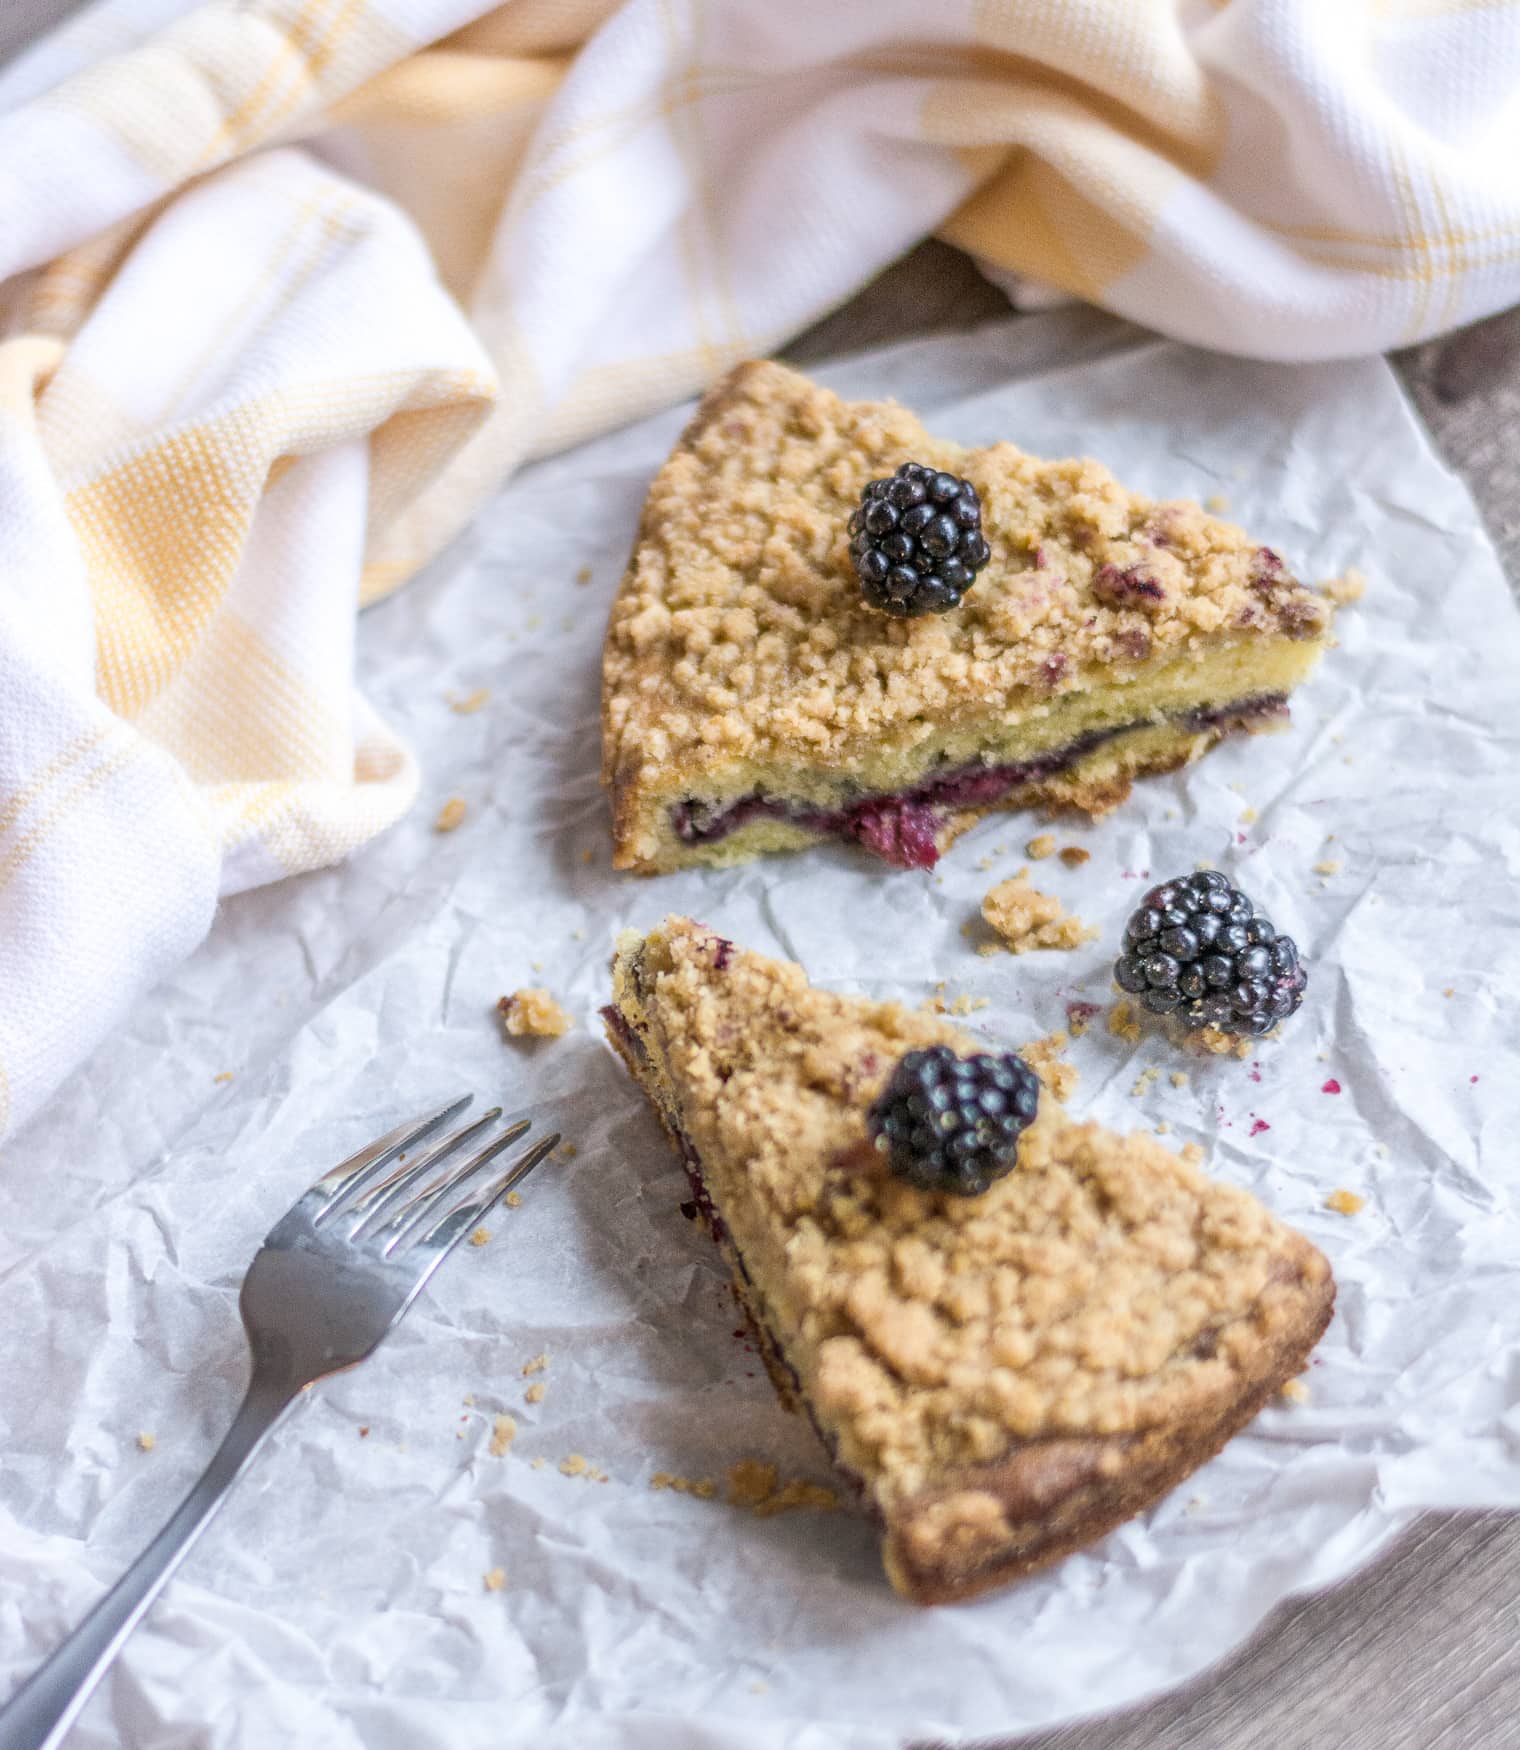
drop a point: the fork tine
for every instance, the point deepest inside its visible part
(366, 1211)
(359, 1169)
(450, 1228)
(415, 1209)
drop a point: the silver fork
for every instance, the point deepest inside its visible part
(335, 1276)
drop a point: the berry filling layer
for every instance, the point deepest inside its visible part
(903, 828)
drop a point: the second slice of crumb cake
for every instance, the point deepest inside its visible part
(753, 702)
(1002, 1377)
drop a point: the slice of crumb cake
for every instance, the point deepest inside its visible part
(753, 701)
(1003, 1376)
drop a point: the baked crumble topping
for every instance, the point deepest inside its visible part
(1104, 1288)
(739, 633)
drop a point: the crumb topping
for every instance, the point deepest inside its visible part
(503, 1433)
(533, 1013)
(739, 632)
(1026, 919)
(1104, 1287)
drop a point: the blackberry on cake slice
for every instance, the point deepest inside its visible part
(1012, 1331)
(802, 649)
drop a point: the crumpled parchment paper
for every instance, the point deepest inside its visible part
(340, 1600)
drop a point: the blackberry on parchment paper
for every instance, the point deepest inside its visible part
(917, 541)
(950, 1123)
(1197, 948)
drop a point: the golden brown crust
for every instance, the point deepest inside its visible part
(1004, 1376)
(739, 653)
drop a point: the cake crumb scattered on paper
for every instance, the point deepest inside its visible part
(1330, 866)
(588, 856)
(1248, 817)
(146, 1442)
(503, 1433)
(1163, 1128)
(222, 1075)
(1144, 1080)
(1217, 503)
(1218, 1043)
(573, 1466)
(538, 1463)
(1080, 1016)
(1027, 919)
(1123, 1022)
(583, 575)
(532, 1013)
(535, 1392)
(481, 1237)
(1044, 1057)
(1040, 847)
(1350, 586)
(705, 1489)
(1345, 1203)
(451, 814)
(536, 1365)
(1450, 991)
(1178, 1078)
(494, 1579)
(470, 703)
(468, 1400)
(1295, 1391)
(1074, 856)
(967, 1005)
(513, 1200)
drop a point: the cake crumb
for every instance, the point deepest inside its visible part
(1144, 1080)
(1345, 1203)
(573, 1466)
(1248, 817)
(481, 1237)
(533, 1013)
(146, 1442)
(513, 1200)
(1328, 867)
(1217, 1043)
(470, 703)
(1217, 503)
(1295, 1391)
(468, 1400)
(536, 1365)
(750, 1482)
(451, 814)
(583, 575)
(1074, 856)
(1027, 919)
(966, 1005)
(1163, 1128)
(1041, 847)
(222, 1075)
(1044, 1057)
(503, 1433)
(1123, 1024)
(1178, 1078)
(535, 1392)
(588, 856)
(1079, 1017)
(538, 1463)
(1450, 991)
(1350, 586)
(494, 1579)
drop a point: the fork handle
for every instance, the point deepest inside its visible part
(44, 1707)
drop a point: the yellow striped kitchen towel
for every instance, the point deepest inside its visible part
(288, 286)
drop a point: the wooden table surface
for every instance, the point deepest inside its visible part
(1422, 1650)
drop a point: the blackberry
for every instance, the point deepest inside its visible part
(948, 1123)
(1197, 948)
(917, 541)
